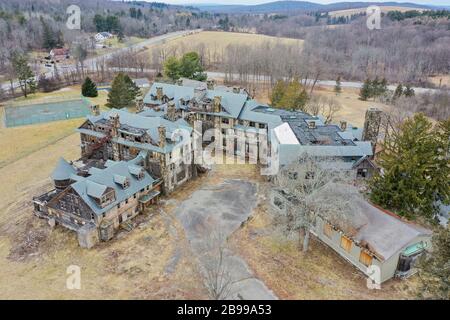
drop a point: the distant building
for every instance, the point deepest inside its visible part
(59, 53)
(102, 36)
(142, 82)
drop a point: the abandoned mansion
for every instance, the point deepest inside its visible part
(128, 159)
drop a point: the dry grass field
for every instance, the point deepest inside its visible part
(384, 9)
(352, 109)
(214, 43)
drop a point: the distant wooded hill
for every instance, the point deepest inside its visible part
(285, 6)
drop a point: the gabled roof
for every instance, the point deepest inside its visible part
(63, 170)
(385, 233)
(95, 185)
(94, 189)
(149, 124)
(232, 103)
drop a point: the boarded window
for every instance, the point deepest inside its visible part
(365, 258)
(328, 230)
(346, 243)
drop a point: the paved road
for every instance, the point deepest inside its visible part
(212, 214)
(326, 83)
(92, 62)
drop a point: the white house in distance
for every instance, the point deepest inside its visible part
(102, 36)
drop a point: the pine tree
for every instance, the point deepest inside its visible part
(414, 173)
(122, 94)
(382, 87)
(295, 96)
(49, 40)
(338, 87)
(409, 92)
(434, 269)
(23, 73)
(365, 92)
(172, 68)
(89, 88)
(278, 92)
(398, 92)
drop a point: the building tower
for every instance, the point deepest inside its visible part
(115, 126)
(372, 125)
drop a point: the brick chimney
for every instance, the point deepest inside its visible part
(162, 136)
(139, 104)
(216, 104)
(115, 124)
(159, 93)
(95, 110)
(210, 83)
(171, 110)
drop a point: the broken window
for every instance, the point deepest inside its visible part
(346, 243)
(328, 230)
(365, 258)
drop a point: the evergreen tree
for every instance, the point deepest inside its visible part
(191, 66)
(409, 92)
(338, 87)
(295, 96)
(23, 73)
(172, 68)
(415, 169)
(398, 92)
(122, 94)
(49, 40)
(366, 91)
(89, 88)
(278, 92)
(382, 88)
(434, 269)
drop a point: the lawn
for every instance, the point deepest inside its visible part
(18, 142)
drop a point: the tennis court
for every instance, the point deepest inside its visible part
(20, 115)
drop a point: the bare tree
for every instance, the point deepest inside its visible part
(320, 105)
(313, 187)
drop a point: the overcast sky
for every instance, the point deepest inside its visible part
(434, 2)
